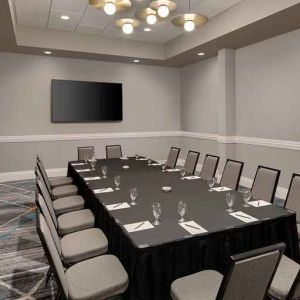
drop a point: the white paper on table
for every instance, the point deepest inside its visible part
(78, 164)
(144, 225)
(193, 177)
(192, 227)
(155, 164)
(221, 189)
(172, 170)
(83, 170)
(259, 203)
(92, 178)
(243, 217)
(104, 190)
(143, 158)
(118, 206)
(124, 158)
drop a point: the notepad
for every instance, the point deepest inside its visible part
(143, 225)
(83, 170)
(78, 164)
(259, 203)
(155, 164)
(221, 189)
(143, 158)
(118, 206)
(92, 178)
(124, 158)
(104, 190)
(193, 177)
(243, 217)
(192, 227)
(173, 170)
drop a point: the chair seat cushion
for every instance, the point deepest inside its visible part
(67, 204)
(284, 278)
(96, 278)
(64, 191)
(75, 221)
(60, 181)
(203, 285)
(83, 245)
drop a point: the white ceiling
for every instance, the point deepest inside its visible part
(88, 20)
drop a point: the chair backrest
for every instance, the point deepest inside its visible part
(88, 151)
(42, 206)
(232, 174)
(44, 192)
(210, 166)
(191, 162)
(53, 255)
(44, 175)
(113, 151)
(251, 274)
(293, 196)
(265, 183)
(172, 157)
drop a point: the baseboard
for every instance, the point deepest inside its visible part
(29, 174)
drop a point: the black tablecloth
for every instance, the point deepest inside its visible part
(154, 258)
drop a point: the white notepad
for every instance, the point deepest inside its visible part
(143, 225)
(243, 217)
(104, 190)
(221, 189)
(83, 170)
(78, 164)
(124, 158)
(155, 164)
(92, 178)
(118, 206)
(192, 227)
(193, 177)
(259, 203)
(143, 158)
(172, 170)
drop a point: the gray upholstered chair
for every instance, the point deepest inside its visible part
(86, 151)
(56, 181)
(265, 183)
(60, 191)
(293, 199)
(249, 277)
(113, 151)
(285, 284)
(77, 246)
(96, 278)
(191, 162)
(172, 157)
(232, 174)
(68, 222)
(209, 167)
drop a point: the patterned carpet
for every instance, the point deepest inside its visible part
(23, 265)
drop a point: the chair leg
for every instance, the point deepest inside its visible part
(58, 295)
(48, 276)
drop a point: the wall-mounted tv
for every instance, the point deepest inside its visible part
(82, 101)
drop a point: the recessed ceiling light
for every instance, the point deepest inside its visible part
(47, 52)
(136, 60)
(64, 17)
(201, 53)
(147, 29)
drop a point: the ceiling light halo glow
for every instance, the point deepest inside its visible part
(110, 8)
(189, 25)
(163, 11)
(65, 17)
(127, 28)
(151, 19)
(127, 25)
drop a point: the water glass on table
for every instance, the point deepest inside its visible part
(117, 180)
(156, 210)
(182, 172)
(246, 196)
(133, 193)
(211, 182)
(182, 208)
(163, 166)
(230, 199)
(104, 171)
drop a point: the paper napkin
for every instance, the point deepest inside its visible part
(172, 170)
(144, 225)
(243, 217)
(83, 170)
(193, 177)
(92, 178)
(192, 227)
(78, 164)
(104, 190)
(221, 189)
(155, 164)
(117, 206)
(259, 203)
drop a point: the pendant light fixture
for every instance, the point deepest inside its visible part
(127, 25)
(163, 7)
(110, 7)
(148, 15)
(189, 21)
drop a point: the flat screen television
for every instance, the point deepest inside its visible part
(81, 101)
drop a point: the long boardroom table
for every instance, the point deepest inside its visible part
(154, 258)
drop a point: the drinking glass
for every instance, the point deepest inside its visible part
(182, 208)
(230, 199)
(86, 158)
(156, 210)
(104, 171)
(133, 193)
(211, 182)
(163, 166)
(182, 172)
(117, 180)
(246, 196)
(149, 161)
(93, 163)
(137, 156)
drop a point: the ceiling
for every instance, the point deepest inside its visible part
(85, 19)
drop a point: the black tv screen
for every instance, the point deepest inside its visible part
(81, 101)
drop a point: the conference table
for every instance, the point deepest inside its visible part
(156, 256)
